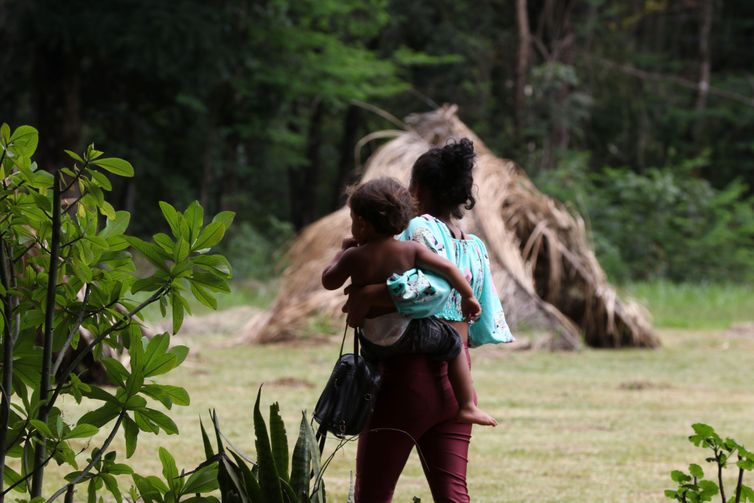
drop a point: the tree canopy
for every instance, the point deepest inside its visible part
(255, 106)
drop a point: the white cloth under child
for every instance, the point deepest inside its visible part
(385, 330)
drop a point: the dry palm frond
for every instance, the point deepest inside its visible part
(542, 264)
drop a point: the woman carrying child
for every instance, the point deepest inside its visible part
(417, 405)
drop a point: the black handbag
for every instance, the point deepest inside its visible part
(348, 399)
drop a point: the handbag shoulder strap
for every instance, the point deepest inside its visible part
(342, 342)
(356, 332)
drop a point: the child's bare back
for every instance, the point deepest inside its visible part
(376, 261)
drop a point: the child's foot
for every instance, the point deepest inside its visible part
(475, 415)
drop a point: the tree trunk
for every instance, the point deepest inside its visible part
(563, 49)
(208, 169)
(522, 64)
(303, 184)
(347, 163)
(57, 104)
(8, 341)
(705, 25)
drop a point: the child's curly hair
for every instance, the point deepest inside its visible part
(384, 203)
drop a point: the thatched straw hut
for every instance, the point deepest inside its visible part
(543, 267)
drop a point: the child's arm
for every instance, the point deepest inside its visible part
(341, 266)
(426, 259)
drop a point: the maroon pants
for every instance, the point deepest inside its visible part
(416, 406)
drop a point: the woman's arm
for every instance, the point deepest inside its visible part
(366, 301)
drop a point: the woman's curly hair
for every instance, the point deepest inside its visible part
(446, 173)
(384, 203)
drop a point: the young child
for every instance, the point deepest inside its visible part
(380, 209)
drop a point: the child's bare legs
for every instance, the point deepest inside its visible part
(460, 377)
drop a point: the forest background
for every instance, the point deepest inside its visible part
(638, 113)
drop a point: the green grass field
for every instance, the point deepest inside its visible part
(592, 426)
(695, 306)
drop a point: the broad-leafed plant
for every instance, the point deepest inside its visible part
(694, 488)
(71, 301)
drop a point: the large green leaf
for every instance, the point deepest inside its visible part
(155, 350)
(301, 461)
(747, 493)
(115, 371)
(696, 471)
(81, 430)
(209, 237)
(181, 250)
(180, 352)
(166, 394)
(225, 218)
(42, 428)
(91, 491)
(707, 489)
(148, 284)
(268, 474)
(211, 280)
(173, 218)
(114, 165)
(159, 419)
(164, 241)
(112, 485)
(144, 423)
(11, 476)
(279, 441)
(25, 140)
(116, 226)
(136, 352)
(170, 470)
(131, 431)
(201, 481)
(230, 483)
(178, 310)
(208, 451)
(148, 489)
(102, 416)
(251, 484)
(203, 296)
(194, 216)
(215, 263)
(318, 491)
(288, 492)
(151, 251)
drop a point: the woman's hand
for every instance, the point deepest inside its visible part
(356, 306)
(363, 300)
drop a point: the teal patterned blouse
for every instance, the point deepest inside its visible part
(419, 294)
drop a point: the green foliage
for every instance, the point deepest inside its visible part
(76, 246)
(660, 224)
(694, 488)
(267, 480)
(696, 306)
(557, 103)
(257, 252)
(239, 116)
(175, 487)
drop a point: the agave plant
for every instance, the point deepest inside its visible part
(275, 477)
